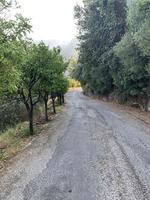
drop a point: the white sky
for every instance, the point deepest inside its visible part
(51, 19)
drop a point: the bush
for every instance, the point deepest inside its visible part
(9, 114)
(73, 83)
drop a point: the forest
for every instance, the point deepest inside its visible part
(30, 73)
(114, 49)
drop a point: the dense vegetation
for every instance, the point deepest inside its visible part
(29, 73)
(114, 48)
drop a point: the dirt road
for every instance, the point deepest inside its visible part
(91, 152)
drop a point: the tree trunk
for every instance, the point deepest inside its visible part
(53, 103)
(30, 117)
(30, 113)
(60, 99)
(146, 100)
(29, 104)
(63, 98)
(46, 108)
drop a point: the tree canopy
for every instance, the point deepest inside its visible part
(114, 41)
(28, 70)
(13, 32)
(101, 25)
(134, 53)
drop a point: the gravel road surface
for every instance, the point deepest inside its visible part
(91, 152)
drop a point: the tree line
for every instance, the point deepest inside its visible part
(29, 72)
(114, 48)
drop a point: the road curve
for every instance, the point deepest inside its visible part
(91, 152)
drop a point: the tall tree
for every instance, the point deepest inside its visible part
(101, 25)
(31, 70)
(12, 33)
(50, 79)
(134, 53)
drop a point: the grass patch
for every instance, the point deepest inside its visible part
(13, 140)
(16, 138)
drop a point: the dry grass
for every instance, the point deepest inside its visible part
(15, 139)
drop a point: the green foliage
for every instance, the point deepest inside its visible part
(62, 85)
(12, 32)
(74, 84)
(9, 112)
(53, 71)
(72, 66)
(134, 51)
(30, 70)
(114, 50)
(52, 75)
(41, 73)
(101, 25)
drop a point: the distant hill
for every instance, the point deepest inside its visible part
(54, 43)
(68, 49)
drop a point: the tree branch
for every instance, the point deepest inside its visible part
(34, 103)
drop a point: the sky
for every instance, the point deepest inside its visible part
(51, 19)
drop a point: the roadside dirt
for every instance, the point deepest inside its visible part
(135, 112)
